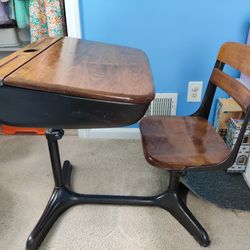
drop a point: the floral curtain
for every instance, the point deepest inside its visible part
(47, 18)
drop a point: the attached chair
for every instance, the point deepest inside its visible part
(181, 144)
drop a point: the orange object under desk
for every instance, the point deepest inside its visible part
(10, 130)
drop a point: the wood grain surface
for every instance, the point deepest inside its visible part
(17, 59)
(88, 69)
(233, 87)
(177, 143)
(237, 56)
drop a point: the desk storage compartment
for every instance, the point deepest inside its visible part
(31, 108)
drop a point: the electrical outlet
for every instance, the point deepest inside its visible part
(194, 91)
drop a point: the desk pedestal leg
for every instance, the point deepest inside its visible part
(55, 207)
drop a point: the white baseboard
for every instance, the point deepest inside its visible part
(110, 133)
(246, 179)
(246, 175)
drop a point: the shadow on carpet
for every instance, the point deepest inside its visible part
(220, 188)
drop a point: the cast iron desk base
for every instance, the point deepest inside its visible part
(173, 199)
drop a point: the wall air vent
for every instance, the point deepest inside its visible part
(163, 104)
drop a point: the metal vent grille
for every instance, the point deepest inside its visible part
(163, 104)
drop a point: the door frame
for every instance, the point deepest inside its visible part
(73, 20)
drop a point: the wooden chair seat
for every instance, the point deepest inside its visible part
(176, 143)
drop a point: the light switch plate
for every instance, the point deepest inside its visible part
(194, 91)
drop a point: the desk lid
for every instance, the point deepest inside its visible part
(80, 68)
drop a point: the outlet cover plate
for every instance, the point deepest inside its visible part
(194, 91)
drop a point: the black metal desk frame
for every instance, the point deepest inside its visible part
(63, 197)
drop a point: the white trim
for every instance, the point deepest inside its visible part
(110, 133)
(246, 175)
(73, 18)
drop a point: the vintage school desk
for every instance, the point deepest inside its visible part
(60, 83)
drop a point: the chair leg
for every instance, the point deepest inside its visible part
(172, 201)
(183, 191)
(186, 218)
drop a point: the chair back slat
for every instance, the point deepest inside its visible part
(232, 86)
(237, 56)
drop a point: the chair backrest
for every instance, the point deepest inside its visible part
(237, 56)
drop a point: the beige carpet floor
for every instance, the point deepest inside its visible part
(101, 166)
